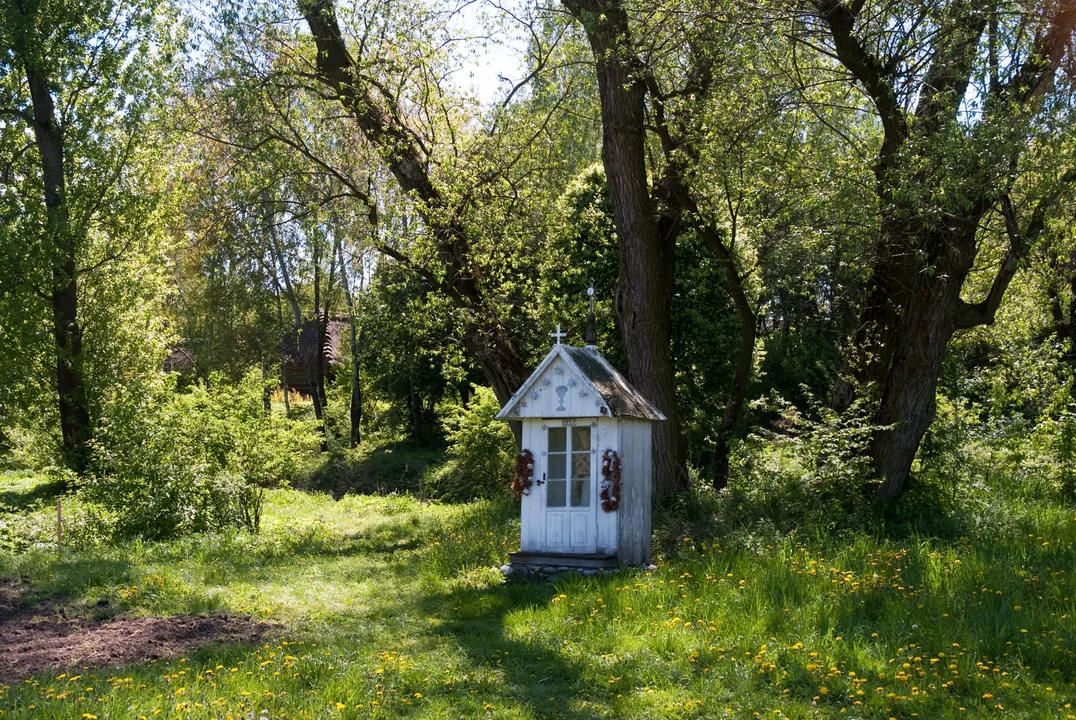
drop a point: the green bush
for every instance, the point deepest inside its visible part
(171, 463)
(811, 470)
(481, 451)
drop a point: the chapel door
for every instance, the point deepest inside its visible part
(570, 520)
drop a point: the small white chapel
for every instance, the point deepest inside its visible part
(583, 475)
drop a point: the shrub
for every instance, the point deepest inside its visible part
(171, 463)
(481, 451)
(812, 469)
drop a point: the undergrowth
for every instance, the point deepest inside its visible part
(391, 607)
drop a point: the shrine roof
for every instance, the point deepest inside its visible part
(617, 394)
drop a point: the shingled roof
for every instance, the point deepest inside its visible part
(621, 399)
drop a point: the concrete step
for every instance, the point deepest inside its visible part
(529, 559)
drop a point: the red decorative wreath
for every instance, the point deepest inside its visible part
(610, 481)
(524, 472)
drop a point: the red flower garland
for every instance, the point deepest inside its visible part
(524, 472)
(610, 481)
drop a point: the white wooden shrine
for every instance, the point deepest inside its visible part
(583, 425)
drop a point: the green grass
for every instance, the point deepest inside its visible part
(388, 607)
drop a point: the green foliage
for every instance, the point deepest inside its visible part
(482, 451)
(806, 470)
(410, 360)
(374, 468)
(108, 68)
(174, 463)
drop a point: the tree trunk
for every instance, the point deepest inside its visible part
(356, 387)
(913, 305)
(70, 383)
(383, 126)
(310, 359)
(315, 361)
(283, 357)
(324, 318)
(644, 292)
(287, 391)
(745, 354)
(907, 404)
(267, 394)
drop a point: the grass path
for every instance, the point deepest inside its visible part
(386, 607)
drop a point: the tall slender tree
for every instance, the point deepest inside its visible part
(81, 78)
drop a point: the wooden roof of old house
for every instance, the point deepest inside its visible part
(308, 340)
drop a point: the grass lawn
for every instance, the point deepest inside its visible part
(388, 607)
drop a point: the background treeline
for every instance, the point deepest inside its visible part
(265, 244)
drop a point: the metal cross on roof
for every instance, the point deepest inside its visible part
(558, 334)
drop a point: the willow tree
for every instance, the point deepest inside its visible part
(467, 187)
(686, 124)
(363, 96)
(969, 96)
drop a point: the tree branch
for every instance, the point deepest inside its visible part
(867, 69)
(970, 315)
(946, 82)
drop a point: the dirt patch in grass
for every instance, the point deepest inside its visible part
(45, 637)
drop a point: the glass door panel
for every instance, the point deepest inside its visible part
(557, 460)
(580, 450)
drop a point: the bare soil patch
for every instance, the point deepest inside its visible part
(43, 637)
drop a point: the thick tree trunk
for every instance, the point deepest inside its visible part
(913, 305)
(70, 383)
(644, 292)
(907, 404)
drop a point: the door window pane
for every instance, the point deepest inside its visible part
(581, 465)
(557, 462)
(557, 438)
(581, 438)
(555, 493)
(581, 493)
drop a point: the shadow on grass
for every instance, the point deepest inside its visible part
(72, 578)
(26, 498)
(538, 676)
(390, 468)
